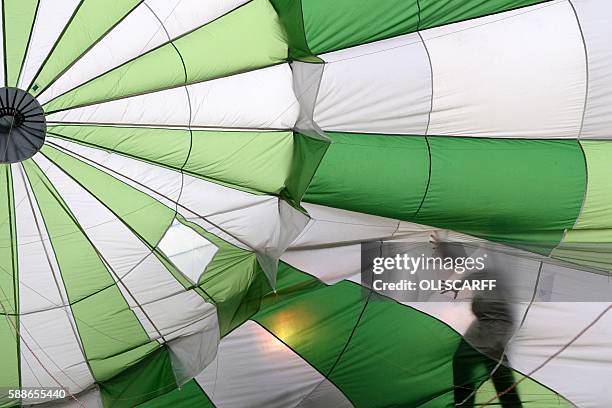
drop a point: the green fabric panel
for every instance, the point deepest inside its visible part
(9, 285)
(522, 192)
(112, 336)
(290, 14)
(376, 174)
(258, 162)
(236, 294)
(290, 283)
(18, 18)
(158, 69)
(589, 243)
(307, 155)
(390, 360)
(168, 147)
(236, 284)
(435, 13)
(146, 216)
(233, 281)
(345, 23)
(248, 38)
(318, 325)
(152, 377)
(189, 395)
(589, 247)
(91, 21)
(597, 211)
(319, 26)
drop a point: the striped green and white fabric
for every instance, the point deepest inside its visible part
(185, 184)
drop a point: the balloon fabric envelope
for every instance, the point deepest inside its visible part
(185, 186)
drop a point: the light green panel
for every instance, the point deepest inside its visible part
(256, 161)
(535, 395)
(168, 147)
(9, 296)
(591, 248)
(112, 336)
(18, 21)
(91, 21)
(246, 39)
(146, 216)
(597, 208)
(158, 69)
(590, 241)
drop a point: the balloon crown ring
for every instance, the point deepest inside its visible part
(18, 116)
(22, 125)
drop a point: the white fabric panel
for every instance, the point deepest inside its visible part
(124, 42)
(330, 245)
(329, 264)
(173, 311)
(181, 16)
(289, 225)
(254, 369)
(89, 399)
(163, 181)
(596, 21)
(36, 276)
(191, 354)
(381, 87)
(49, 346)
(514, 74)
(325, 395)
(335, 226)
(52, 17)
(50, 349)
(252, 219)
(152, 180)
(180, 315)
(588, 359)
(257, 99)
(168, 107)
(306, 84)
(582, 371)
(187, 250)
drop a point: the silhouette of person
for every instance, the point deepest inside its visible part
(483, 345)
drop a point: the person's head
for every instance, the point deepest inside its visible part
(444, 248)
